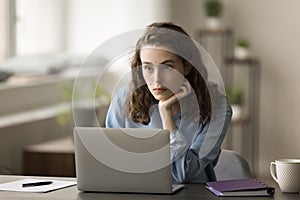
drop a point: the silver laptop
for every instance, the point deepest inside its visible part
(123, 160)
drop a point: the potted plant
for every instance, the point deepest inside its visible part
(83, 109)
(242, 49)
(236, 97)
(213, 10)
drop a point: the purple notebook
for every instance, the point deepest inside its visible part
(240, 187)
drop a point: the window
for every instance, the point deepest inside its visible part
(39, 27)
(2, 30)
(7, 29)
(31, 27)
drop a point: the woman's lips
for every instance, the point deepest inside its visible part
(159, 90)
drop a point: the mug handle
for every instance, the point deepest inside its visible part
(273, 171)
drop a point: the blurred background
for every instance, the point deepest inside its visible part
(43, 43)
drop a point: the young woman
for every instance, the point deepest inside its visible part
(169, 90)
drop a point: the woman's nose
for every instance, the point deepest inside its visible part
(158, 77)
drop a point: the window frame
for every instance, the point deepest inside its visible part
(9, 28)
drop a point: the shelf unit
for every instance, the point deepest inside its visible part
(250, 123)
(230, 68)
(225, 41)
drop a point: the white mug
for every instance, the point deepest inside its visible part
(286, 172)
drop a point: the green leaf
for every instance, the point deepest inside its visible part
(213, 8)
(235, 95)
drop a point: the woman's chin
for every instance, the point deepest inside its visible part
(162, 97)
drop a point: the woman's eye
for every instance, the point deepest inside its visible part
(148, 68)
(167, 67)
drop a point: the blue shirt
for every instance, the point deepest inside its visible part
(194, 147)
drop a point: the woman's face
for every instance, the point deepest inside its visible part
(163, 72)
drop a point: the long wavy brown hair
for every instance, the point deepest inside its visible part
(174, 38)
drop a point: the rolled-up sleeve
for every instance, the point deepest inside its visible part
(178, 144)
(194, 165)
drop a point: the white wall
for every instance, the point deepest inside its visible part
(274, 34)
(91, 22)
(273, 30)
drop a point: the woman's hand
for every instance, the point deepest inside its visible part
(171, 106)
